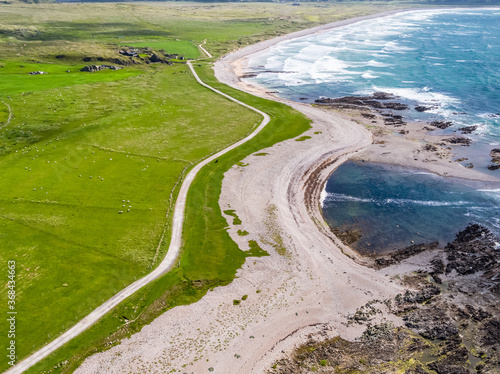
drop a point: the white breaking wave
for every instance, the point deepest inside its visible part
(489, 115)
(368, 75)
(323, 197)
(392, 47)
(494, 191)
(426, 173)
(329, 64)
(335, 197)
(378, 64)
(423, 95)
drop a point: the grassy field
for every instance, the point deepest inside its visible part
(73, 159)
(82, 147)
(209, 259)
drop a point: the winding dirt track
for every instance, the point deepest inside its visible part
(308, 291)
(304, 293)
(165, 265)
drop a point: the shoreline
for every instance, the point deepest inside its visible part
(229, 70)
(304, 294)
(230, 66)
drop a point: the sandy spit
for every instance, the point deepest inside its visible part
(306, 292)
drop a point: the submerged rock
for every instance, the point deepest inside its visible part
(441, 124)
(404, 253)
(377, 101)
(459, 141)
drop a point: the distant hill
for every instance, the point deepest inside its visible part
(434, 2)
(26, 1)
(443, 2)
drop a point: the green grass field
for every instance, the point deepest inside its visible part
(209, 258)
(181, 47)
(76, 156)
(82, 147)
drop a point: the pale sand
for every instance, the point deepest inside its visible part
(312, 289)
(306, 293)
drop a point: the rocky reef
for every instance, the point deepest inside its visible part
(450, 320)
(377, 101)
(495, 159)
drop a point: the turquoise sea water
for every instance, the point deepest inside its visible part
(445, 59)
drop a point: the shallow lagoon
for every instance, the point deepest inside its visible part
(392, 206)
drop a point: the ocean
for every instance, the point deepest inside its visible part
(445, 60)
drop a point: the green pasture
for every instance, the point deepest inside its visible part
(73, 158)
(15, 78)
(209, 257)
(4, 114)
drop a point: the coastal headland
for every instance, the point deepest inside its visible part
(312, 288)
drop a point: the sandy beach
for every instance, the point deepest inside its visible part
(311, 282)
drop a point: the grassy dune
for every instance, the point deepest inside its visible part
(82, 147)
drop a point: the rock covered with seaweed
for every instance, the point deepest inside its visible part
(450, 321)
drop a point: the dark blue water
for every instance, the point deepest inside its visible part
(393, 206)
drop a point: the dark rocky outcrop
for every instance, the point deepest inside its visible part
(154, 58)
(422, 108)
(393, 122)
(376, 101)
(458, 141)
(94, 68)
(430, 323)
(473, 250)
(495, 155)
(430, 148)
(111, 60)
(402, 254)
(441, 124)
(467, 129)
(391, 119)
(449, 328)
(368, 115)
